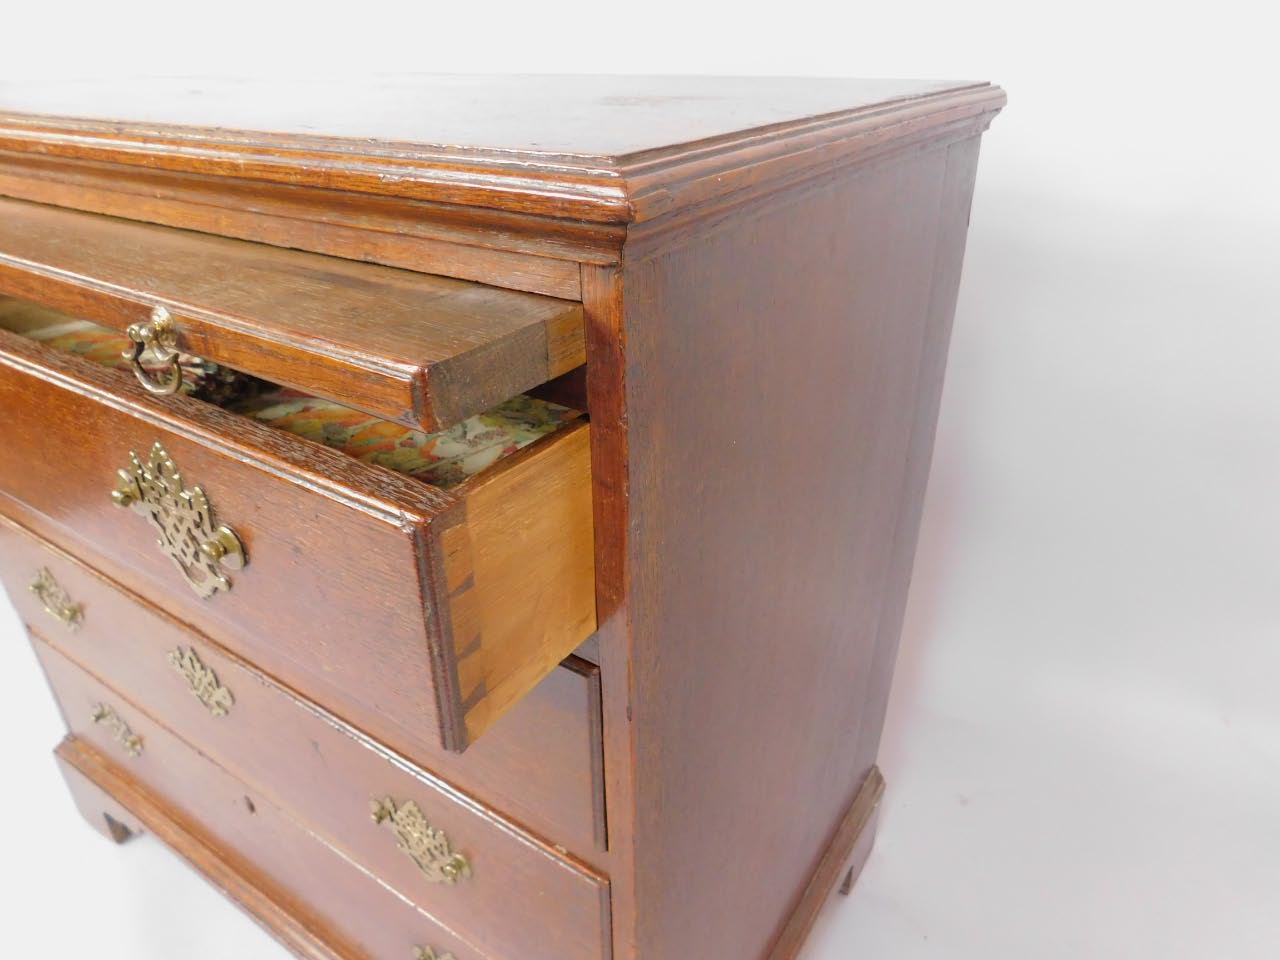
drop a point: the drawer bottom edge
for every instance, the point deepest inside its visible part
(119, 806)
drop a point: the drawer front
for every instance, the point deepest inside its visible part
(420, 615)
(541, 764)
(311, 899)
(510, 897)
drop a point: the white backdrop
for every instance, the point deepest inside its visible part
(1083, 746)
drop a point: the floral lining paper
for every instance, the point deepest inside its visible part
(442, 459)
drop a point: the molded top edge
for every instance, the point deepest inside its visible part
(558, 145)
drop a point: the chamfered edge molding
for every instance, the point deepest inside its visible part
(624, 189)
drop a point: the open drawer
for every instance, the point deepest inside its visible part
(417, 349)
(417, 613)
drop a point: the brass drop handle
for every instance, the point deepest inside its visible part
(184, 518)
(422, 843)
(120, 731)
(55, 600)
(159, 337)
(204, 684)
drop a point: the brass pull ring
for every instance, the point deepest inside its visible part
(159, 337)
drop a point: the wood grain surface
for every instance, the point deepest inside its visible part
(315, 903)
(519, 895)
(343, 598)
(845, 855)
(539, 765)
(597, 116)
(422, 350)
(595, 150)
(513, 250)
(532, 572)
(796, 329)
(767, 271)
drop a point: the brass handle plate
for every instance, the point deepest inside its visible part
(120, 731)
(158, 337)
(426, 953)
(201, 550)
(56, 601)
(415, 837)
(203, 682)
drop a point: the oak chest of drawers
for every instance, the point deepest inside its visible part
(470, 517)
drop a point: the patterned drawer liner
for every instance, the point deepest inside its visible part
(200, 378)
(442, 459)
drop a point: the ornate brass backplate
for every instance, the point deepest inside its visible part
(184, 520)
(427, 847)
(56, 601)
(426, 953)
(202, 681)
(120, 731)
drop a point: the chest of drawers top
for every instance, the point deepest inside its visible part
(568, 145)
(541, 172)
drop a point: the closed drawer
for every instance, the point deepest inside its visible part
(512, 898)
(420, 614)
(311, 899)
(540, 764)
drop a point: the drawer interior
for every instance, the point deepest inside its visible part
(420, 584)
(444, 458)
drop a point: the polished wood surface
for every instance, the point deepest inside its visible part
(578, 151)
(99, 808)
(528, 546)
(422, 350)
(539, 765)
(756, 595)
(845, 855)
(344, 597)
(599, 116)
(520, 894)
(308, 897)
(953, 224)
(494, 247)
